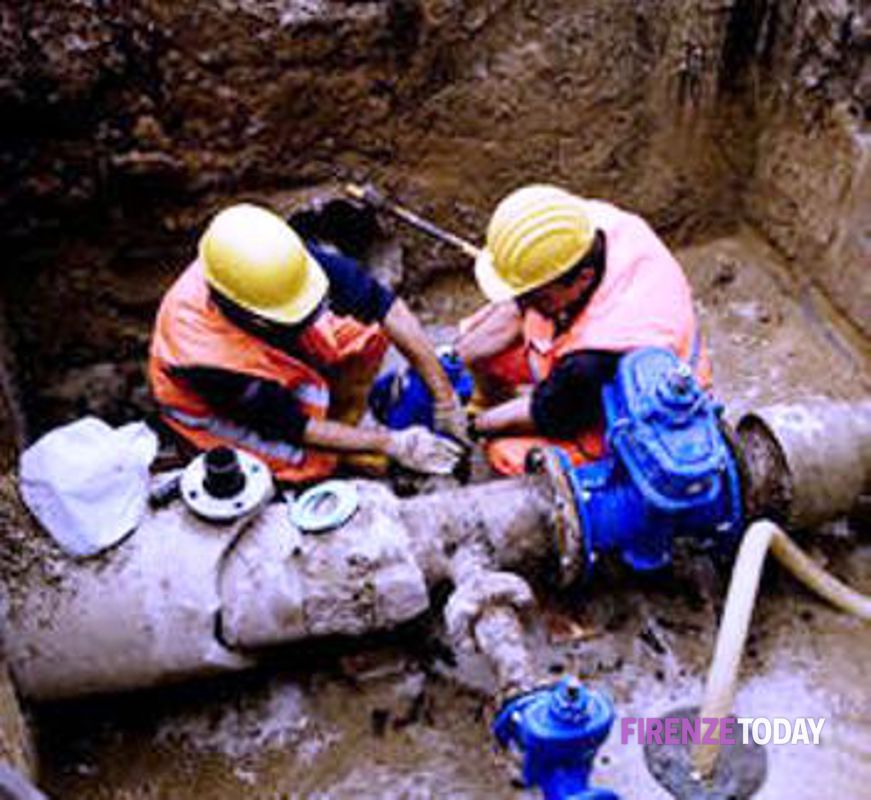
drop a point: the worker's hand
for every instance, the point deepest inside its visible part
(422, 451)
(451, 419)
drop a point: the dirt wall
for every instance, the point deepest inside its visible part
(12, 421)
(130, 123)
(810, 192)
(115, 103)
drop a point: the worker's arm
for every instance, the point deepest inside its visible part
(355, 293)
(514, 416)
(338, 436)
(273, 412)
(416, 448)
(406, 332)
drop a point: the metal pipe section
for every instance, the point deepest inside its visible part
(512, 518)
(500, 636)
(181, 598)
(485, 614)
(807, 462)
(141, 614)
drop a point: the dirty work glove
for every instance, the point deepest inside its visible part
(451, 419)
(422, 451)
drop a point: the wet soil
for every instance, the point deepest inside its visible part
(397, 718)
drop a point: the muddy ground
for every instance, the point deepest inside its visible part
(397, 718)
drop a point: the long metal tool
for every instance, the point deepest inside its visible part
(370, 195)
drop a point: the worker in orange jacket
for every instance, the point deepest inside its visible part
(573, 284)
(269, 345)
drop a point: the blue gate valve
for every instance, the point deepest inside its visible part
(558, 729)
(669, 472)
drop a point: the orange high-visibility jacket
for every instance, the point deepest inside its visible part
(644, 300)
(191, 331)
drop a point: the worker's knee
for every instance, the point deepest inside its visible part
(489, 331)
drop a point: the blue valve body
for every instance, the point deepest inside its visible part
(400, 398)
(668, 470)
(558, 729)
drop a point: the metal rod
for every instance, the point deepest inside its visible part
(370, 195)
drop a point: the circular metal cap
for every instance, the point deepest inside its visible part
(243, 484)
(739, 772)
(325, 506)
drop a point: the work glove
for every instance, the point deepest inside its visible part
(420, 450)
(451, 419)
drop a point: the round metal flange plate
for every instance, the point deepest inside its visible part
(256, 492)
(324, 507)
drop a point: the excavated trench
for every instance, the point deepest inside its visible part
(738, 127)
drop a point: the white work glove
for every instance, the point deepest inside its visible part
(422, 451)
(451, 419)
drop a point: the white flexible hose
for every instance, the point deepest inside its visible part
(723, 675)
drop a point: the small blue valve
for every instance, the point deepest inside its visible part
(558, 729)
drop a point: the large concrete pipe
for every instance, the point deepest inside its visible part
(182, 598)
(806, 463)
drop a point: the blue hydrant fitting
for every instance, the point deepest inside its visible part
(400, 398)
(558, 729)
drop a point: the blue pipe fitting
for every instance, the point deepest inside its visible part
(668, 472)
(558, 729)
(400, 398)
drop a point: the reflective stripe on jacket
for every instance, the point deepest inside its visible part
(191, 331)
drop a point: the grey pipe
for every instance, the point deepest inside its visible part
(807, 462)
(180, 599)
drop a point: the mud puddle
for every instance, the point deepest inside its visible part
(398, 720)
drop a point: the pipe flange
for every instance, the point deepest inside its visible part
(568, 535)
(251, 491)
(324, 507)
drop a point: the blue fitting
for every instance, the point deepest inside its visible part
(400, 398)
(668, 472)
(558, 729)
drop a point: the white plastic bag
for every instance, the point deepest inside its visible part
(87, 483)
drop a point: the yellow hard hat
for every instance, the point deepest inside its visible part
(254, 258)
(536, 234)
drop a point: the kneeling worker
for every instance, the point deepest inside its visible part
(573, 285)
(269, 346)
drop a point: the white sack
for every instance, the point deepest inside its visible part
(87, 483)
